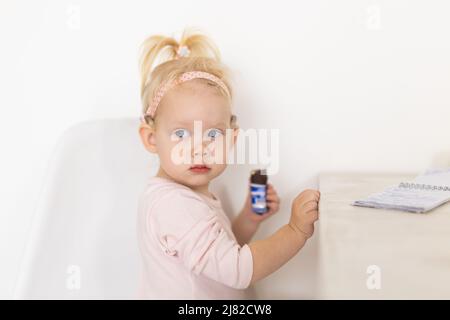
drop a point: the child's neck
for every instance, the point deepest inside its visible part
(204, 190)
(200, 189)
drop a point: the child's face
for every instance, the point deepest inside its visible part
(190, 105)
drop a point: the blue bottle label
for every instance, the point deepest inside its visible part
(258, 197)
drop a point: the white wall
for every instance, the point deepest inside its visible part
(352, 85)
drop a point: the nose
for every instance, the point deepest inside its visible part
(198, 152)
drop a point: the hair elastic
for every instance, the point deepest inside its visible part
(183, 51)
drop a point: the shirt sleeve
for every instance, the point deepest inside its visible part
(188, 231)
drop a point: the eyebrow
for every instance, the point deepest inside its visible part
(220, 124)
(187, 123)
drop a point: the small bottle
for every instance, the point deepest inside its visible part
(258, 189)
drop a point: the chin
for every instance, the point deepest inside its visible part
(199, 179)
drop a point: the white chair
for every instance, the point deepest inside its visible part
(83, 243)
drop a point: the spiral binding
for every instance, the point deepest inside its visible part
(410, 185)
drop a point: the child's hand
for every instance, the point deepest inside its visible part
(273, 204)
(305, 211)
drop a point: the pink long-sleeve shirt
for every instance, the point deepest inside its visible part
(187, 246)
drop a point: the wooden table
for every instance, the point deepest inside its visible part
(368, 253)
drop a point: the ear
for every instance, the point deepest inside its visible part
(147, 134)
(236, 131)
(235, 128)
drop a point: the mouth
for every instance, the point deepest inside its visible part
(199, 169)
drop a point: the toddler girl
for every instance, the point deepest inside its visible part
(189, 247)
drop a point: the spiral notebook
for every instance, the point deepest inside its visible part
(424, 193)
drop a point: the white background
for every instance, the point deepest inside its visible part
(352, 85)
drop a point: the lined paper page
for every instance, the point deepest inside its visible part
(412, 199)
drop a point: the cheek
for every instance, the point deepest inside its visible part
(217, 169)
(164, 146)
(218, 150)
(174, 153)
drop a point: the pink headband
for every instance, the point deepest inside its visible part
(184, 77)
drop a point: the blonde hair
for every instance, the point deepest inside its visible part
(159, 63)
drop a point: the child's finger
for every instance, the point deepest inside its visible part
(271, 191)
(273, 207)
(272, 198)
(272, 203)
(307, 198)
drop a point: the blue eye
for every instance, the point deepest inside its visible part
(214, 133)
(181, 133)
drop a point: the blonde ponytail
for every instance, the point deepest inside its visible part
(199, 45)
(155, 47)
(159, 62)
